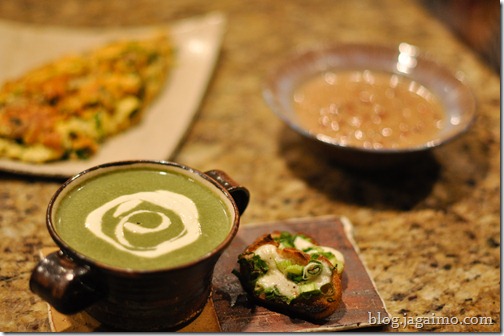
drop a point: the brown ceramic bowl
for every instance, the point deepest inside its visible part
(457, 100)
(133, 299)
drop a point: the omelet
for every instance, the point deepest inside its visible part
(65, 109)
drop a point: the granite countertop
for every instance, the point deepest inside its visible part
(430, 234)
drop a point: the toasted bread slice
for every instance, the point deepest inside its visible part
(277, 272)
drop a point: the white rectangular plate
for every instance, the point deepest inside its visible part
(197, 41)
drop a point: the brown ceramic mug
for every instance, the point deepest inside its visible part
(138, 242)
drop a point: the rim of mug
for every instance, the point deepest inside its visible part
(72, 253)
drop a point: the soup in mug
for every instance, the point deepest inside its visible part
(144, 218)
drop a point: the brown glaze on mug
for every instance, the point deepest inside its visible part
(133, 299)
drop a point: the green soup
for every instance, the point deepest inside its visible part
(143, 218)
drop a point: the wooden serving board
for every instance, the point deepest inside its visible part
(237, 313)
(231, 310)
(82, 322)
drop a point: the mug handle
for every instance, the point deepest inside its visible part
(67, 286)
(240, 194)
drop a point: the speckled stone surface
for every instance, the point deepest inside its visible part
(430, 234)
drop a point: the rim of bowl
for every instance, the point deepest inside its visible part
(235, 223)
(403, 59)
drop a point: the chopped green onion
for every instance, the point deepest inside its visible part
(312, 270)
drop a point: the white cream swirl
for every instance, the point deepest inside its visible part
(127, 206)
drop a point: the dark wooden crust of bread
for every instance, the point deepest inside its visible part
(315, 308)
